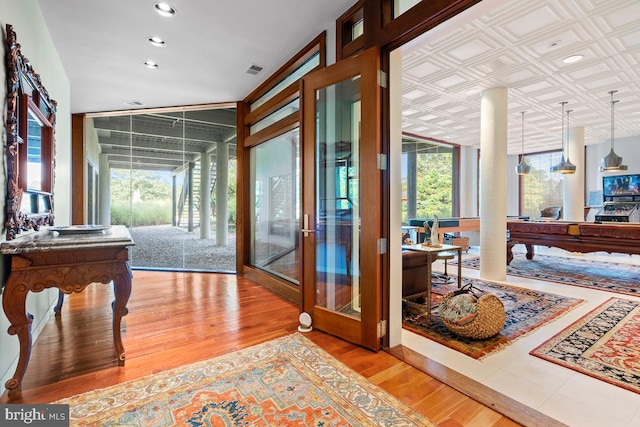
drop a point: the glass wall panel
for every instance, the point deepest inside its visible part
(401, 6)
(275, 206)
(338, 203)
(357, 29)
(541, 188)
(279, 114)
(172, 183)
(296, 75)
(427, 180)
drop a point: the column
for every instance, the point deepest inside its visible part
(205, 195)
(493, 186)
(222, 198)
(174, 201)
(104, 190)
(190, 198)
(573, 185)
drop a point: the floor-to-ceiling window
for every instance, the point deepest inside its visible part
(172, 182)
(427, 179)
(541, 188)
(275, 206)
(272, 149)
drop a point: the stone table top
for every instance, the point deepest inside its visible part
(49, 239)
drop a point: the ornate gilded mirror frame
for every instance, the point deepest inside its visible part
(28, 205)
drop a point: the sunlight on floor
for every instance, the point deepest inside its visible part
(568, 396)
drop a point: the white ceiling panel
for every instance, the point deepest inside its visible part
(521, 44)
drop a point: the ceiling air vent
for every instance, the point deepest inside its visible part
(254, 69)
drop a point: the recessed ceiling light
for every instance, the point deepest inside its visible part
(555, 43)
(134, 103)
(573, 58)
(151, 64)
(156, 41)
(165, 9)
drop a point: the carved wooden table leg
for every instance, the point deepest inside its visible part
(122, 291)
(14, 301)
(510, 245)
(530, 252)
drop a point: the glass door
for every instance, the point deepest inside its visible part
(341, 200)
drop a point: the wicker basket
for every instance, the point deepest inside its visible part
(488, 321)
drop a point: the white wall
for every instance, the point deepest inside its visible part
(468, 179)
(627, 148)
(36, 44)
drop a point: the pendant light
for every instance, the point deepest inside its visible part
(612, 162)
(523, 167)
(564, 167)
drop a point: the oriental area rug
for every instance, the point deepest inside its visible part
(607, 276)
(526, 310)
(283, 382)
(604, 344)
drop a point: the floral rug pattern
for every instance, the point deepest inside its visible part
(604, 344)
(287, 381)
(526, 310)
(608, 276)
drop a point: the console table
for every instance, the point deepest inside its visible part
(69, 262)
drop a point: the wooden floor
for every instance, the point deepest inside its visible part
(179, 318)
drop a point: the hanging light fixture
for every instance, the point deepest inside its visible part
(523, 167)
(564, 167)
(612, 162)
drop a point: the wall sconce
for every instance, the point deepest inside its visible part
(564, 167)
(612, 162)
(523, 167)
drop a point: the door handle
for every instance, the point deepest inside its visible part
(305, 226)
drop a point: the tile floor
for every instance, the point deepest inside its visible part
(566, 395)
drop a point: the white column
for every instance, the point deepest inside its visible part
(395, 190)
(493, 186)
(205, 195)
(573, 185)
(222, 196)
(104, 190)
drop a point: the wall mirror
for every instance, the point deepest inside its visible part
(30, 128)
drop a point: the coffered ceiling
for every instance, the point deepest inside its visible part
(521, 44)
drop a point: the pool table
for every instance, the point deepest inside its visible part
(581, 237)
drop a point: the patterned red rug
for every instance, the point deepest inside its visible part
(287, 381)
(608, 276)
(526, 310)
(604, 344)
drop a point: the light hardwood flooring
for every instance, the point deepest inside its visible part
(179, 318)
